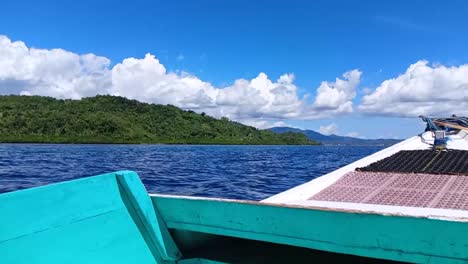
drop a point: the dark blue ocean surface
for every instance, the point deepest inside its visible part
(240, 172)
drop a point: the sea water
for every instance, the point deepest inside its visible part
(238, 172)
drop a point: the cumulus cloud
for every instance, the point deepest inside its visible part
(337, 96)
(147, 80)
(261, 98)
(63, 74)
(422, 89)
(328, 130)
(54, 72)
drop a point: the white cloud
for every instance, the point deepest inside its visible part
(147, 80)
(422, 89)
(328, 130)
(54, 72)
(280, 124)
(261, 98)
(63, 74)
(353, 134)
(262, 123)
(337, 96)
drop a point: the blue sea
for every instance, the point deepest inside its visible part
(239, 172)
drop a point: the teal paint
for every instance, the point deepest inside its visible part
(111, 219)
(82, 221)
(410, 239)
(150, 224)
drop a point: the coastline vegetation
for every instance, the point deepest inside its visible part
(112, 119)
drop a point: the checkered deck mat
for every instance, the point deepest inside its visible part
(417, 190)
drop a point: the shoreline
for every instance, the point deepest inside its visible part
(146, 143)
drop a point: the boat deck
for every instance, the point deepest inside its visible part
(408, 178)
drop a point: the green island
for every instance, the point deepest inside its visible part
(112, 119)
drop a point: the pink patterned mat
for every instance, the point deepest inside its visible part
(416, 190)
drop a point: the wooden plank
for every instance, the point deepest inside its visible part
(108, 238)
(147, 218)
(91, 220)
(399, 238)
(37, 209)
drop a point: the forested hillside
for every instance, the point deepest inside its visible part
(111, 119)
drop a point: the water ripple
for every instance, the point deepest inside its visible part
(239, 172)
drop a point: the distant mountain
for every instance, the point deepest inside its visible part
(336, 140)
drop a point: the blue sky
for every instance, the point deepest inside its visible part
(220, 42)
